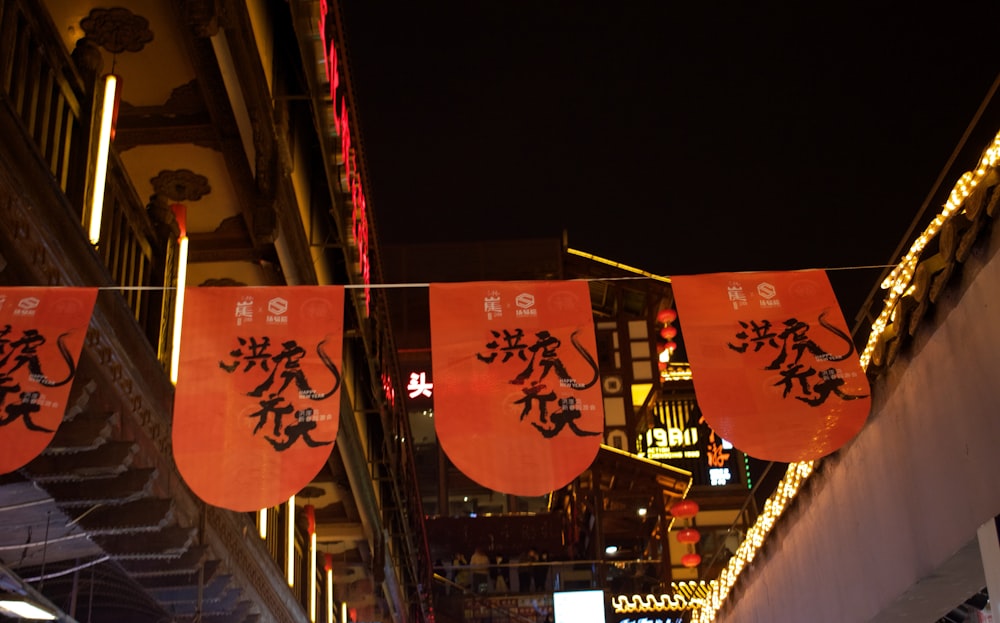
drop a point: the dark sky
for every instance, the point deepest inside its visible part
(677, 137)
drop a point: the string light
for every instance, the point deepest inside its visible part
(899, 280)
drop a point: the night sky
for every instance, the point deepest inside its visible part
(679, 138)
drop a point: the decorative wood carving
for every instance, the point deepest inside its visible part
(181, 185)
(117, 30)
(240, 560)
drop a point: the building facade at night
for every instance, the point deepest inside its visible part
(242, 117)
(218, 107)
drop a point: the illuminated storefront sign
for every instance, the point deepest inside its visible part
(652, 608)
(661, 608)
(677, 436)
(672, 443)
(419, 385)
(359, 210)
(484, 609)
(683, 439)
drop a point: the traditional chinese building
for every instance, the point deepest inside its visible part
(242, 117)
(117, 120)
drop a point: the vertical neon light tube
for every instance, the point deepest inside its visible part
(262, 522)
(343, 612)
(328, 566)
(290, 553)
(312, 578)
(182, 262)
(108, 106)
(311, 529)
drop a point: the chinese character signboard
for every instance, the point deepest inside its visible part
(42, 331)
(682, 438)
(517, 403)
(257, 405)
(774, 367)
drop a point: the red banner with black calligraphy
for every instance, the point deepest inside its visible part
(42, 331)
(517, 403)
(774, 368)
(257, 406)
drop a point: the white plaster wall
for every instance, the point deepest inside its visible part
(886, 529)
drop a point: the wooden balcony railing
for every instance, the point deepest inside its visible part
(43, 88)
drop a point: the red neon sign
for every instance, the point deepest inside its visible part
(359, 211)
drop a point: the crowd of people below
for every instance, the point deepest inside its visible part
(486, 572)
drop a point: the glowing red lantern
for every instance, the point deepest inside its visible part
(688, 535)
(666, 316)
(671, 346)
(684, 508)
(690, 560)
(668, 333)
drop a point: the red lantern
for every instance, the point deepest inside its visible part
(688, 535)
(671, 346)
(666, 316)
(668, 333)
(690, 560)
(684, 508)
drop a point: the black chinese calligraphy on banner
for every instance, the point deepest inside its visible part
(774, 368)
(257, 405)
(517, 403)
(42, 331)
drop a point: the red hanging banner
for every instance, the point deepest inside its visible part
(257, 405)
(774, 367)
(42, 331)
(517, 405)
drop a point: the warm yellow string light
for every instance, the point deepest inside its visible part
(899, 279)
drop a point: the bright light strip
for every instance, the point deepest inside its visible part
(262, 522)
(899, 280)
(290, 558)
(329, 595)
(101, 165)
(625, 267)
(343, 612)
(25, 610)
(175, 349)
(676, 371)
(312, 577)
